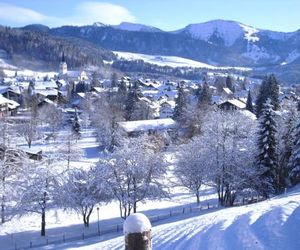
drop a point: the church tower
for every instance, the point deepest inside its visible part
(63, 67)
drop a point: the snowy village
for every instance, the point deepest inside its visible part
(108, 140)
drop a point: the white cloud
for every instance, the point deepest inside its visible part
(14, 14)
(103, 12)
(84, 13)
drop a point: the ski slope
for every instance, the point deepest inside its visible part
(272, 224)
(171, 61)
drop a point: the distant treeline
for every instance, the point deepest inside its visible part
(180, 72)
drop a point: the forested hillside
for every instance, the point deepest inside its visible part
(40, 46)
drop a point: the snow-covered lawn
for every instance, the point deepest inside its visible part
(271, 224)
(171, 61)
(21, 231)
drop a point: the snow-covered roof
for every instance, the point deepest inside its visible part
(15, 89)
(10, 103)
(170, 104)
(45, 85)
(3, 89)
(150, 92)
(47, 92)
(49, 101)
(145, 125)
(73, 73)
(82, 95)
(236, 103)
(227, 91)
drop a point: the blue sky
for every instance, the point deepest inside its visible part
(165, 14)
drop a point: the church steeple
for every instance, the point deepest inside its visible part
(63, 67)
(63, 57)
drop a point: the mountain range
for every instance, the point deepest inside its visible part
(217, 42)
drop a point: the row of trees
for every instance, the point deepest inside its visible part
(131, 174)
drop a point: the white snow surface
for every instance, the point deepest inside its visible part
(135, 27)
(291, 57)
(271, 224)
(229, 31)
(171, 61)
(136, 223)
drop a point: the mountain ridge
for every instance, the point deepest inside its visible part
(217, 42)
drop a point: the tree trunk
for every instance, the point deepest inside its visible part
(85, 223)
(134, 207)
(198, 197)
(43, 228)
(3, 209)
(88, 216)
(43, 225)
(3, 201)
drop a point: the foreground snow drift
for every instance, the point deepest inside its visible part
(272, 224)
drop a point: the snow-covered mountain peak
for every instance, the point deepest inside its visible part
(135, 27)
(228, 31)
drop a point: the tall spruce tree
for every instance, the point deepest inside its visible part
(180, 103)
(287, 141)
(198, 92)
(268, 89)
(114, 80)
(294, 164)
(230, 84)
(249, 104)
(205, 97)
(76, 124)
(132, 99)
(267, 158)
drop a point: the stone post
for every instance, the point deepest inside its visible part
(137, 231)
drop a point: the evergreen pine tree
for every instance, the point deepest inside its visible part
(132, 99)
(95, 82)
(294, 165)
(229, 84)
(267, 144)
(205, 97)
(198, 92)
(268, 89)
(180, 103)
(76, 125)
(249, 104)
(114, 80)
(287, 149)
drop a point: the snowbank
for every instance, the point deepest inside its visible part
(272, 224)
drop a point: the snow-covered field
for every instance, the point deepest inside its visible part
(171, 61)
(272, 224)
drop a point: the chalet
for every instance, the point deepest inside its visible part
(14, 92)
(136, 128)
(166, 109)
(7, 106)
(232, 104)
